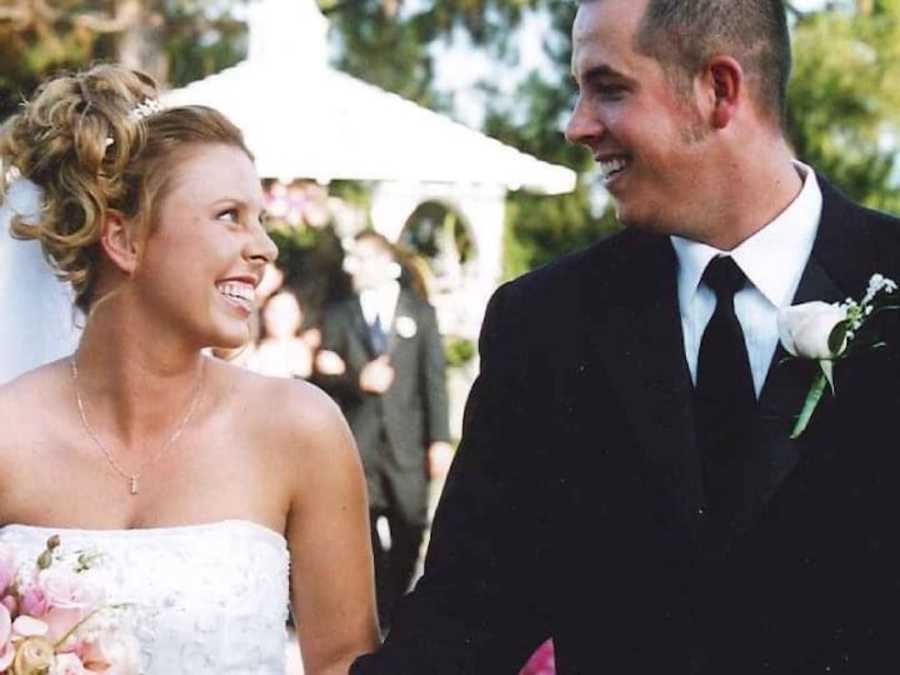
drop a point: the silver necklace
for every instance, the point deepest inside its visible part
(133, 478)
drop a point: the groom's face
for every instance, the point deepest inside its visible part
(644, 131)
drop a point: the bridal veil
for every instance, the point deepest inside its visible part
(37, 319)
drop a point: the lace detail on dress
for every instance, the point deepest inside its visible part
(207, 599)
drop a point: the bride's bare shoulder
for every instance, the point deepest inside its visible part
(42, 383)
(291, 414)
(28, 401)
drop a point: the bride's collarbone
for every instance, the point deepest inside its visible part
(111, 509)
(58, 484)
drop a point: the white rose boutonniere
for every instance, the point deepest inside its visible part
(826, 333)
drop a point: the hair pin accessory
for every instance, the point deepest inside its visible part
(146, 108)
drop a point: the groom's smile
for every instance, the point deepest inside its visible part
(611, 168)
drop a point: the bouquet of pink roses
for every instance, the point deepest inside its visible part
(53, 620)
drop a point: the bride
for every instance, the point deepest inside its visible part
(217, 497)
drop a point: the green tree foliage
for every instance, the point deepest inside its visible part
(387, 42)
(540, 228)
(176, 41)
(35, 41)
(383, 49)
(844, 100)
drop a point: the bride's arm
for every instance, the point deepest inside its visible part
(328, 532)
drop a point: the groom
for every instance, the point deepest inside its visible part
(626, 483)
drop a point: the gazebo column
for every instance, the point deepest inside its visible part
(482, 207)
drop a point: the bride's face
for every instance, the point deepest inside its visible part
(208, 249)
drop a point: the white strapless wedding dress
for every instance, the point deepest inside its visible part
(210, 599)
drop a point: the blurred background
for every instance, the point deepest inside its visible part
(437, 123)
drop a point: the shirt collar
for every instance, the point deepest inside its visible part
(381, 300)
(773, 258)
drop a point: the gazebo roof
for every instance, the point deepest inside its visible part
(304, 119)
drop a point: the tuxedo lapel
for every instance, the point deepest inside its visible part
(633, 328)
(359, 327)
(839, 265)
(639, 341)
(403, 309)
(773, 454)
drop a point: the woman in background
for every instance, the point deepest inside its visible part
(282, 351)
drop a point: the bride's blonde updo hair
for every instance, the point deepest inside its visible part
(94, 141)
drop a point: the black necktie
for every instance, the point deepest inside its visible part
(725, 400)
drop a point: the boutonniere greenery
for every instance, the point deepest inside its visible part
(828, 333)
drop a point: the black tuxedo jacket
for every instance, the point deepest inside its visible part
(574, 508)
(413, 412)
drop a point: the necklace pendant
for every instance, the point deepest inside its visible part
(134, 485)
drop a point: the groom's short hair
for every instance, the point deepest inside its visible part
(682, 35)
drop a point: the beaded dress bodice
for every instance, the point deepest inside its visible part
(209, 599)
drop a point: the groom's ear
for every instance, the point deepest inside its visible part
(723, 85)
(119, 242)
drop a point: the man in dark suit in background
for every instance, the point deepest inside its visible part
(389, 379)
(627, 482)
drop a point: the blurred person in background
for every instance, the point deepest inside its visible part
(382, 359)
(282, 351)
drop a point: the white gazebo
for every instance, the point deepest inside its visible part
(304, 119)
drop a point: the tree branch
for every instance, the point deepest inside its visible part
(127, 14)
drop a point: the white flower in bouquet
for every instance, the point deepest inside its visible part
(7, 648)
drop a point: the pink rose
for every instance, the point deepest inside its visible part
(7, 652)
(34, 601)
(68, 664)
(113, 653)
(8, 567)
(70, 598)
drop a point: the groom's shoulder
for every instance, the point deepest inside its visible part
(872, 235)
(885, 226)
(882, 224)
(598, 266)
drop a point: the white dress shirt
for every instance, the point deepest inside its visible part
(773, 260)
(380, 302)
